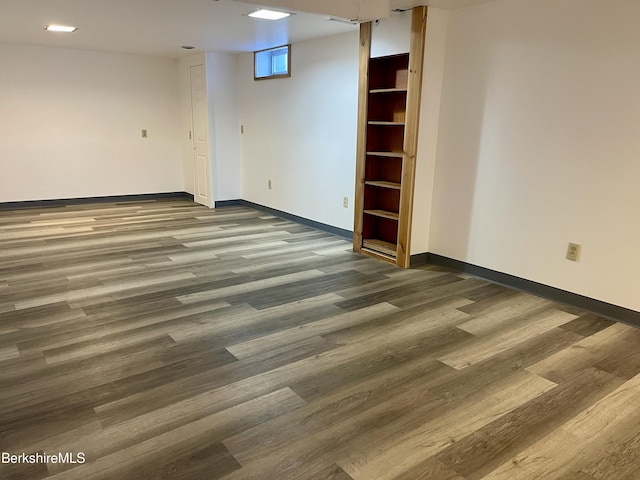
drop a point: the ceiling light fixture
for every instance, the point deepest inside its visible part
(61, 28)
(268, 14)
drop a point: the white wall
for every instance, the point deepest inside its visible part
(539, 144)
(433, 71)
(184, 74)
(70, 124)
(300, 132)
(223, 122)
(392, 35)
(222, 86)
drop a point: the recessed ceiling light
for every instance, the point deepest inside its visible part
(268, 14)
(61, 28)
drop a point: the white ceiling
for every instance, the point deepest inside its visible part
(160, 27)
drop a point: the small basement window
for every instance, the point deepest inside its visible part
(272, 63)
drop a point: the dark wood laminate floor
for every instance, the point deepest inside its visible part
(166, 340)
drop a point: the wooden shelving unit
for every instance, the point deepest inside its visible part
(389, 99)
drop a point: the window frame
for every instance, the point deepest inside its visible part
(279, 75)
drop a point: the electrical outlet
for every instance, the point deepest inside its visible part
(269, 184)
(573, 252)
(345, 202)
(144, 133)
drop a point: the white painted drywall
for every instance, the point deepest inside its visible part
(539, 144)
(433, 69)
(223, 119)
(184, 72)
(70, 124)
(392, 35)
(300, 132)
(224, 112)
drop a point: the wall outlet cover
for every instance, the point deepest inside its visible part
(573, 252)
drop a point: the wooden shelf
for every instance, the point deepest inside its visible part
(386, 154)
(388, 90)
(382, 123)
(383, 214)
(383, 184)
(388, 113)
(380, 246)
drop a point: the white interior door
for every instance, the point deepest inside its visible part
(200, 137)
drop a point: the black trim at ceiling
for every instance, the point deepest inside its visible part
(340, 232)
(604, 309)
(141, 197)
